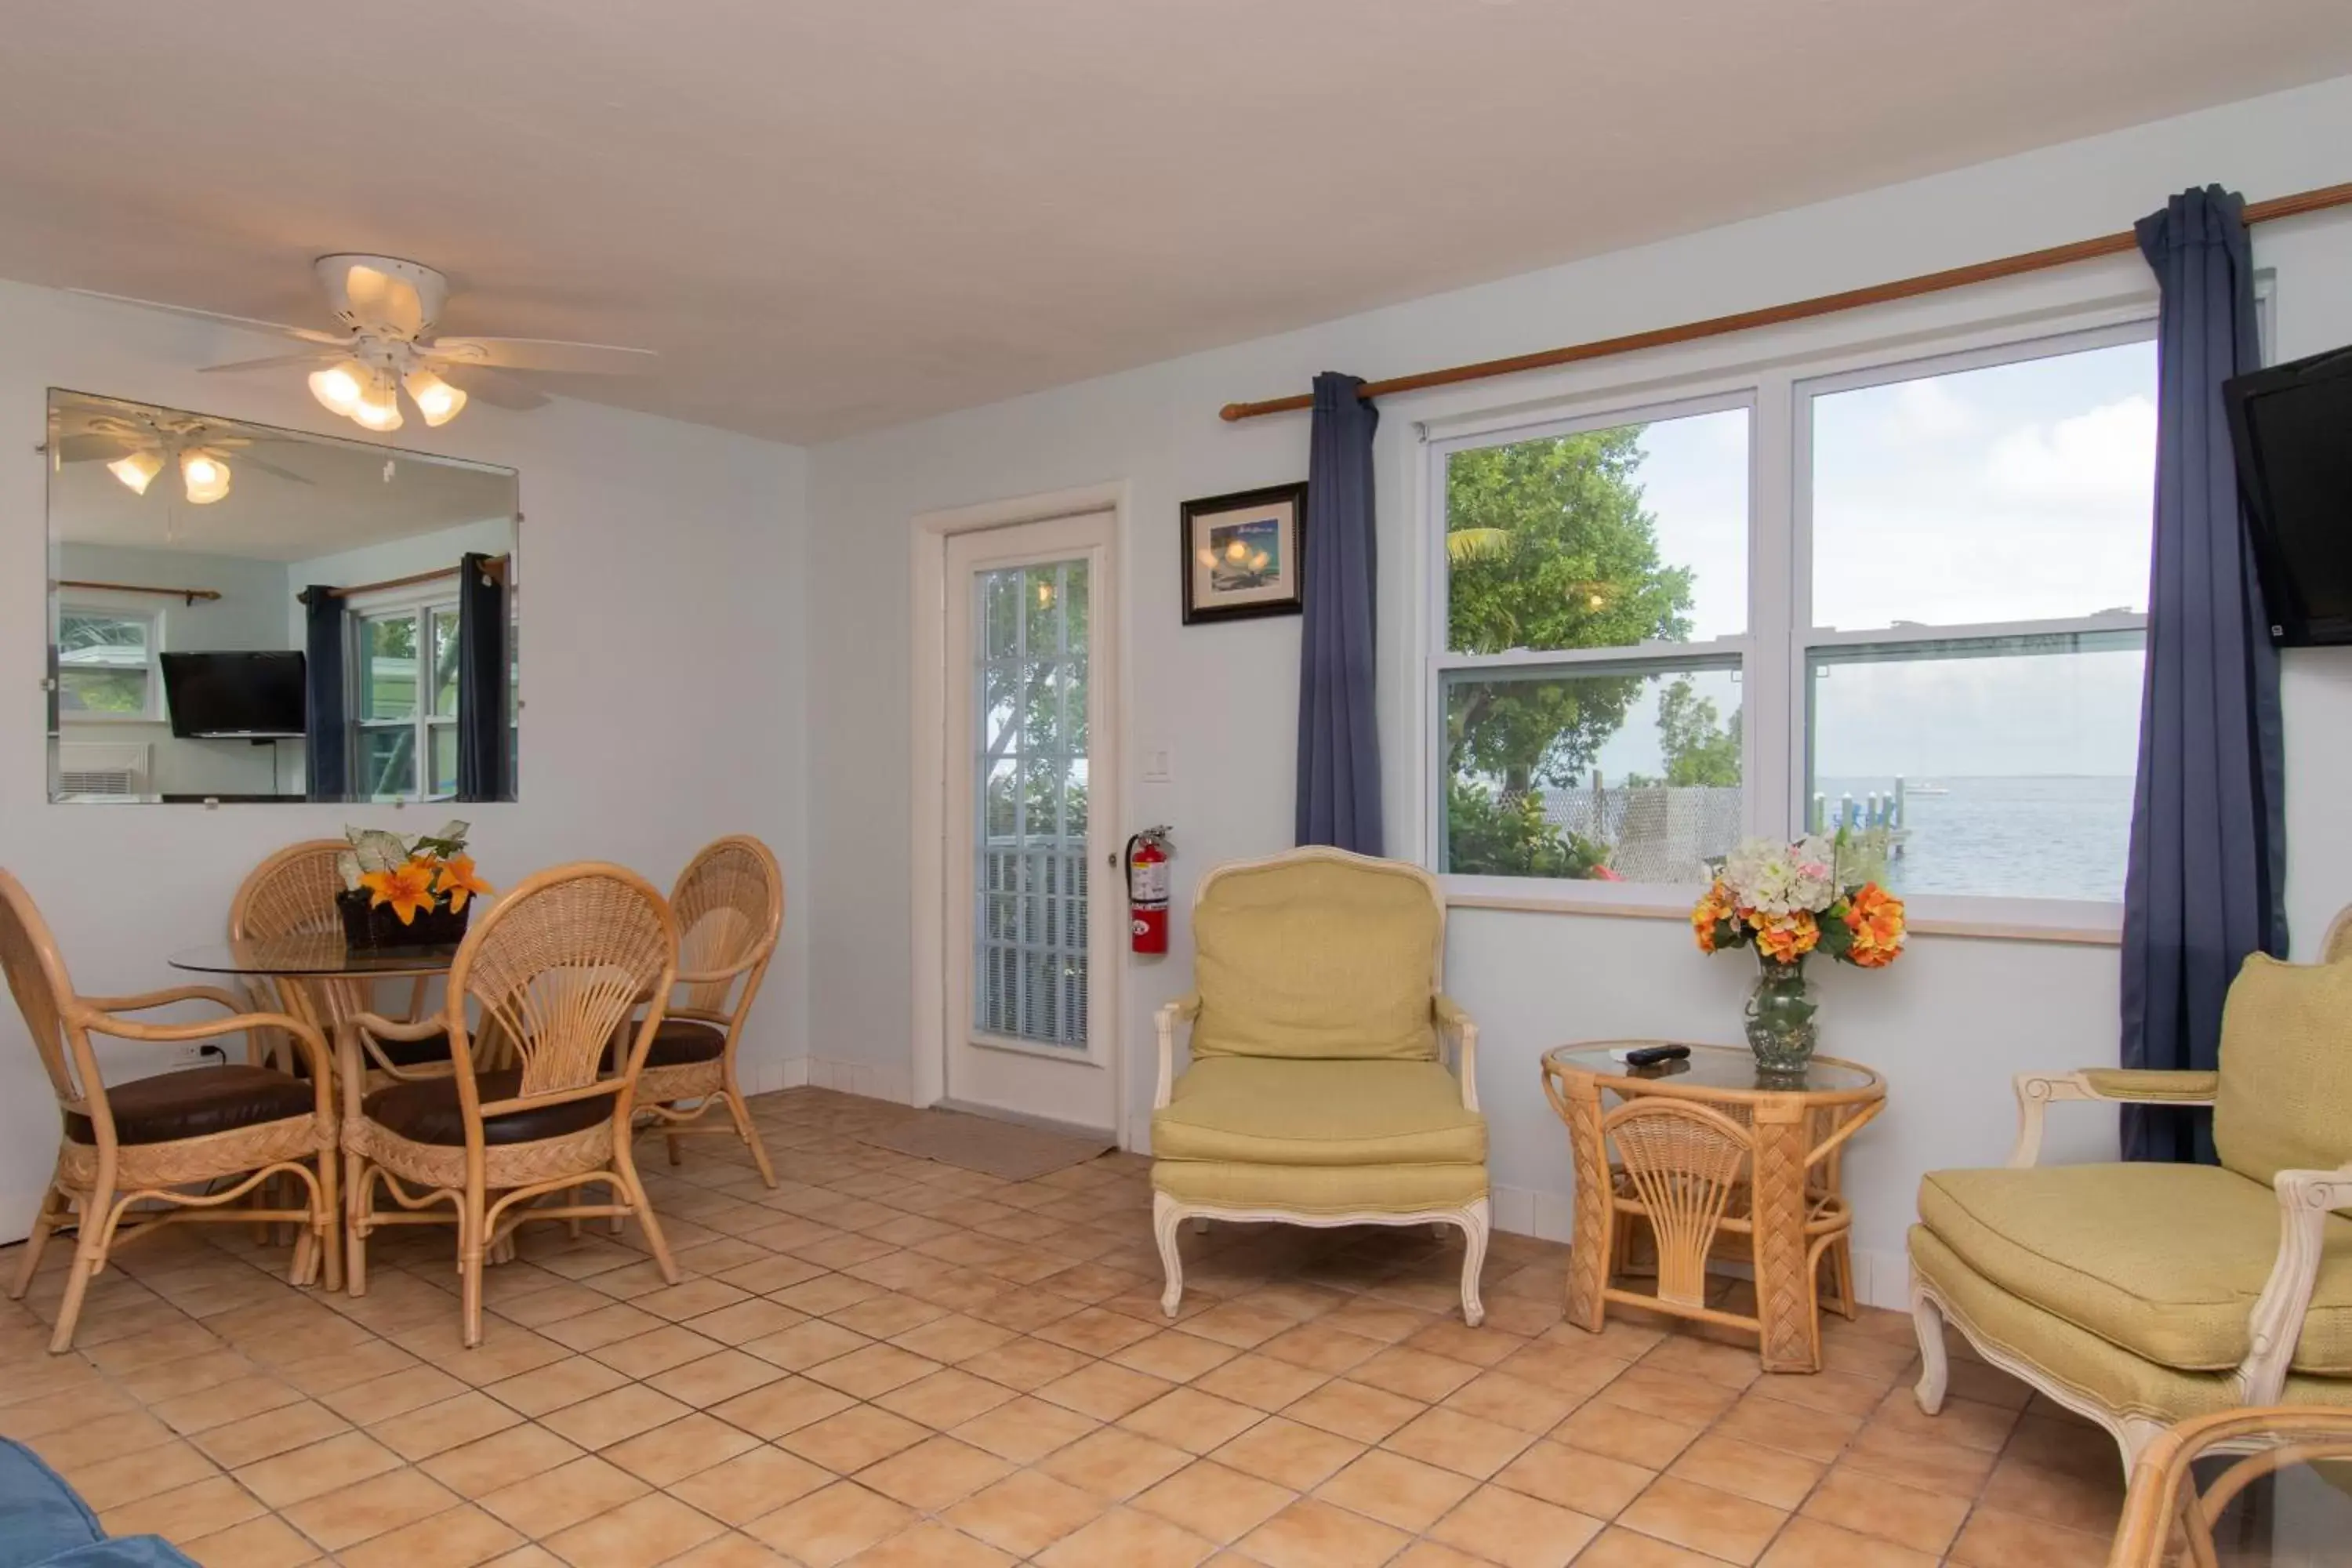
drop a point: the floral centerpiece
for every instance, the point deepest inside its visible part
(406, 892)
(1788, 902)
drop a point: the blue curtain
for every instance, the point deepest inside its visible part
(1338, 744)
(481, 681)
(326, 746)
(2207, 877)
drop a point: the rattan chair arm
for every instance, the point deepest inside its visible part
(2037, 1090)
(1182, 1010)
(2163, 1484)
(164, 998)
(599, 1088)
(358, 1036)
(313, 1044)
(1451, 1020)
(2305, 1199)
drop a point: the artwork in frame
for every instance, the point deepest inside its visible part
(1245, 554)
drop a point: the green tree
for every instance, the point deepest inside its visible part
(1508, 835)
(1550, 547)
(1700, 748)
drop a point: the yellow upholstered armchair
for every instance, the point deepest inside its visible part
(1317, 1092)
(2141, 1295)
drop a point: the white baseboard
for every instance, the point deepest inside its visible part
(895, 1084)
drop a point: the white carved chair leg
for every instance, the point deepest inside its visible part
(1935, 1363)
(1476, 1224)
(1165, 1217)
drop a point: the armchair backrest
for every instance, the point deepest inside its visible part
(37, 978)
(292, 891)
(2285, 1098)
(730, 907)
(1317, 954)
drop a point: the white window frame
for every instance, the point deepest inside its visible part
(423, 607)
(116, 607)
(1775, 653)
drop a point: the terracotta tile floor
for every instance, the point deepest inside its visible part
(889, 1362)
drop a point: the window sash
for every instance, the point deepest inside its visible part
(420, 719)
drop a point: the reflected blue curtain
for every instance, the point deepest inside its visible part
(326, 743)
(2207, 878)
(1338, 744)
(481, 681)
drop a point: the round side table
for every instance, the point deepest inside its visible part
(1704, 1147)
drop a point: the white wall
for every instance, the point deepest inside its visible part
(1948, 1027)
(663, 677)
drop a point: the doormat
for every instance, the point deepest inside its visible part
(1001, 1149)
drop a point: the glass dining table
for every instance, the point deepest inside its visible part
(316, 976)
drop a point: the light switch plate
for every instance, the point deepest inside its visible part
(1156, 769)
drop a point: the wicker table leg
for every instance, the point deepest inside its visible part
(1588, 1258)
(1790, 1333)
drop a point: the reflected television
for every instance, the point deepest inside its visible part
(2292, 426)
(234, 695)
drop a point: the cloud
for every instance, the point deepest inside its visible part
(2104, 457)
(1927, 410)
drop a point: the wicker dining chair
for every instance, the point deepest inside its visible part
(555, 969)
(730, 907)
(292, 894)
(191, 1141)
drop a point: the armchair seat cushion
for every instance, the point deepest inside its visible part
(677, 1042)
(427, 1110)
(2164, 1261)
(1275, 1111)
(196, 1102)
(1320, 1189)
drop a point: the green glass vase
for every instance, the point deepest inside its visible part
(1781, 1028)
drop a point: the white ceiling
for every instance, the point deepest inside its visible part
(833, 215)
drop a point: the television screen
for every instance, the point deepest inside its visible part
(2293, 429)
(255, 695)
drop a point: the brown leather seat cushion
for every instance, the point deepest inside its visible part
(171, 1106)
(399, 1053)
(677, 1042)
(426, 1112)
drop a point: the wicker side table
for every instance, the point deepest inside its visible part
(1702, 1149)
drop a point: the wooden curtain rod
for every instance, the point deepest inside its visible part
(494, 567)
(190, 594)
(1803, 310)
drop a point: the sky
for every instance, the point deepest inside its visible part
(2020, 491)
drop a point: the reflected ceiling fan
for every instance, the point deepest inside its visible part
(387, 308)
(137, 447)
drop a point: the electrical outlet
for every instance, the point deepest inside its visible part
(198, 1054)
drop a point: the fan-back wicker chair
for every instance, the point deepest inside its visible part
(292, 894)
(730, 907)
(151, 1140)
(555, 968)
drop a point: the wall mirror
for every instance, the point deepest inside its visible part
(238, 612)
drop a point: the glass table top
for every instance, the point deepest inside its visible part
(311, 955)
(1731, 1068)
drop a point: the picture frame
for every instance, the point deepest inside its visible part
(1245, 554)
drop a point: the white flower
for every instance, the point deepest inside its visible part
(1781, 878)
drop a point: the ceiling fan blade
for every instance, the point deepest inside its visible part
(305, 334)
(541, 354)
(247, 460)
(273, 361)
(92, 448)
(496, 390)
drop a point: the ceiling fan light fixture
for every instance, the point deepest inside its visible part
(339, 388)
(435, 399)
(204, 475)
(378, 408)
(137, 470)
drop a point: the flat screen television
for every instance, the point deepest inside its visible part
(2292, 426)
(234, 695)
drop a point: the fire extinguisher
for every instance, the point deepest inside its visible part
(1148, 853)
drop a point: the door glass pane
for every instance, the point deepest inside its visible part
(445, 663)
(388, 763)
(1623, 775)
(1028, 780)
(388, 667)
(2003, 765)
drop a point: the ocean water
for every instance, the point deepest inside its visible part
(2039, 837)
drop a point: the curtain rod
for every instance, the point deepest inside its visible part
(1803, 310)
(494, 567)
(190, 594)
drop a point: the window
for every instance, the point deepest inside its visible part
(1596, 612)
(107, 670)
(1931, 617)
(407, 702)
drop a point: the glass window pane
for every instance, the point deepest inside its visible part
(1627, 775)
(1601, 539)
(388, 764)
(2004, 766)
(388, 670)
(445, 760)
(86, 691)
(2016, 492)
(445, 663)
(87, 641)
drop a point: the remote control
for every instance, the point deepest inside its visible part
(1652, 1056)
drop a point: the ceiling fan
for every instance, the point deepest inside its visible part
(137, 447)
(387, 308)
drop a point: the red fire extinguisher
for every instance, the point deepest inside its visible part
(1148, 853)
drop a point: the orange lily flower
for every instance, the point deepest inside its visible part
(458, 880)
(407, 890)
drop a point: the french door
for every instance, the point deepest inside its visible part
(1033, 915)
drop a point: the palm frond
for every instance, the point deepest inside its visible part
(1464, 545)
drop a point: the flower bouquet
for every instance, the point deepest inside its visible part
(1788, 902)
(406, 892)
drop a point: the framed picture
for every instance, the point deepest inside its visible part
(1244, 555)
